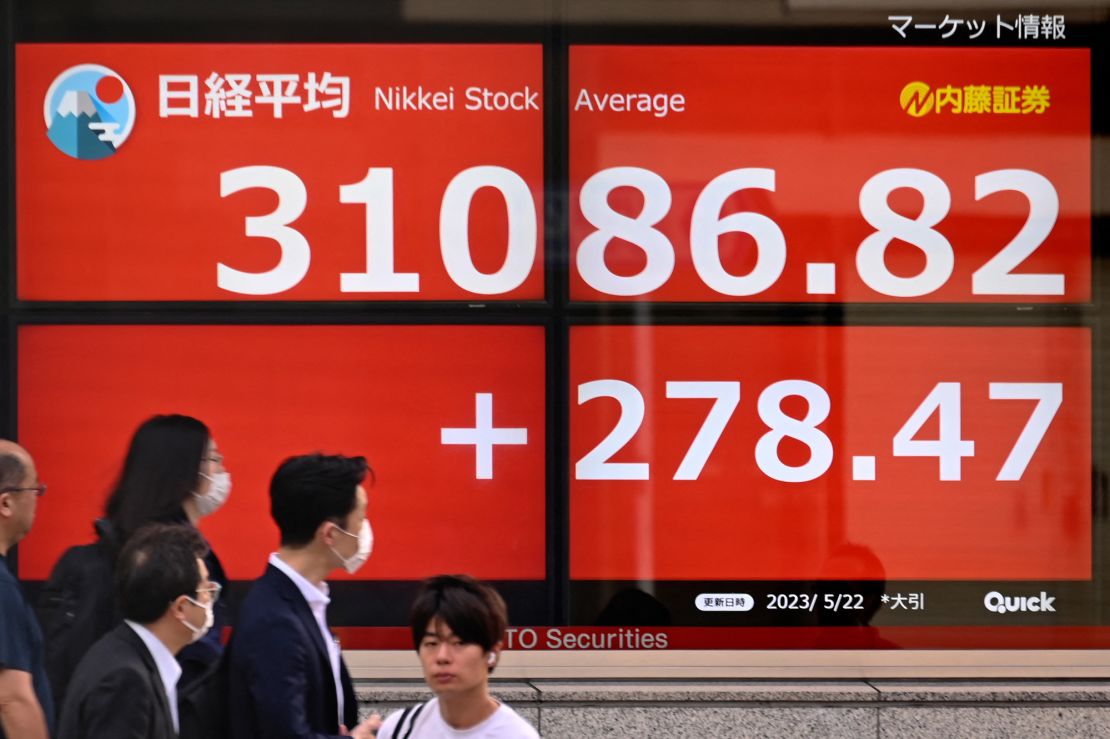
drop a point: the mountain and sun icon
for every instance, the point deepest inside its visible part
(89, 111)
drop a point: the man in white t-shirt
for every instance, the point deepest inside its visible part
(458, 625)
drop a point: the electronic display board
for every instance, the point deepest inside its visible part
(755, 474)
(718, 174)
(816, 476)
(752, 452)
(307, 172)
(636, 369)
(459, 456)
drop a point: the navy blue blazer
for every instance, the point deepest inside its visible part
(280, 679)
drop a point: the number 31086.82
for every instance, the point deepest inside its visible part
(375, 193)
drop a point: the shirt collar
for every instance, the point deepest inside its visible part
(316, 596)
(167, 665)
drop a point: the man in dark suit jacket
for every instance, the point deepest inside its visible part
(125, 687)
(287, 676)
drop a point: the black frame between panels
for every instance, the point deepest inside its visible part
(7, 193)
(550, 25)
(1100, 285)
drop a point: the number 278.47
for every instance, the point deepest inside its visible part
(943, 400)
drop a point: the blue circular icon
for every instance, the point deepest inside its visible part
(89, 112)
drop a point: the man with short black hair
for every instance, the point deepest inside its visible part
(458, 629)
(287, 675)
(26, 707)
(125, 687)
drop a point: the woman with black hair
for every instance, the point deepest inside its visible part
(173, 473)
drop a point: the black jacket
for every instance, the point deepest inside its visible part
(117, 693)
(281, 684)
(77, 605)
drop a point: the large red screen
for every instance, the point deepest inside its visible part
(830, 174)
(270, 392)
(307, 172)
(740, 453)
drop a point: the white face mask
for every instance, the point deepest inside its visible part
(365, 545)
(209, 619)
(219, 489)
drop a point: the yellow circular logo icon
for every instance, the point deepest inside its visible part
(917, 99)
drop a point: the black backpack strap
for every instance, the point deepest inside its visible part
(411, 713)
(404, 716)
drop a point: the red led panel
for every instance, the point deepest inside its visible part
(830, 174)
(741, 453)
(441, 501)
(270, 172)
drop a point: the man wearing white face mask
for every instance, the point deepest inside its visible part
(125, 687)
(287, 677)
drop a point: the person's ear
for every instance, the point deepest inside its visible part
(325, 532)
(177, 607)
(494, 655)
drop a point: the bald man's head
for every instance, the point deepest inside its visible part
(18, 499)
(14, 461)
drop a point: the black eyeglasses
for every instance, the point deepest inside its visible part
(39, 490)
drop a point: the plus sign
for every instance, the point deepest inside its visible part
(483, 436)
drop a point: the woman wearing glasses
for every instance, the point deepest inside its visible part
(174, 474)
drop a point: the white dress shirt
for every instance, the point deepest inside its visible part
(168, 669)
(318, 600)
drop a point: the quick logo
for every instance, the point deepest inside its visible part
(999, 603)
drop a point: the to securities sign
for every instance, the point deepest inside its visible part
(205, 172)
